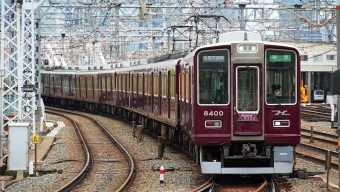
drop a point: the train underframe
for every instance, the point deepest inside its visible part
(239, 158)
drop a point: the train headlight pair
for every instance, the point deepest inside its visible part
(213, 123)
(281, 123)
(247, 48)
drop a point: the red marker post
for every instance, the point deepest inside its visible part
(161, 174)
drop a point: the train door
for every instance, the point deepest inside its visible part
(247, 118)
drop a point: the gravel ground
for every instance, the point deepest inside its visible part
(186, 175)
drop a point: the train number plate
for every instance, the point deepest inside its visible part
(213, 113)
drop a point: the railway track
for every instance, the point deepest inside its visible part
(316, 147)
(103, 155)
(320, 139)
(315, 113)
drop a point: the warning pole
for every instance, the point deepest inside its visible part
(35, 164)
(35, 140)
(161, 174)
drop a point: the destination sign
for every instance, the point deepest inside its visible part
(213, 58)
(280, 58)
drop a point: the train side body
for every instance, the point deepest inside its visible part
(107, 87)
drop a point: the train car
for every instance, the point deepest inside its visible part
(151, 92)
(318, 96)
(59, 86)
(218, 102)
(87, 90)
(240, 126)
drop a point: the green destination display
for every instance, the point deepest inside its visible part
(280, 58)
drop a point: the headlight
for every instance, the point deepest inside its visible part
(213, 123)
(242, 48)
(281, 123)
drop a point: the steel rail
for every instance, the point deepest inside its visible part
(319, 133)
(204, 185)
(132, 173)
(263, 186)
(89, 162)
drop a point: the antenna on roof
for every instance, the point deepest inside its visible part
(245, 36)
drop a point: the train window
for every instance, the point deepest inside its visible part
(140, 83)
(89, 84)
(103, 83)
(147, 87)
(79, 86)
(172, 83)
(213, 77)
(127, 84)
(95, 83)
(155, 84)
(135, 83)
(187, 86)
(46, 83)
(112, 79)
(57, 83)
(73, 86)
(181, 79)
(118, 82)
(247, 89)
(83, 84)
(66, 85)
(108, 83)
(281, 69)
(124, 82)
(165, 85)
(53, 84)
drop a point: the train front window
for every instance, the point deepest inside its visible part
(247, 89)
(213, 77)
(281, 69)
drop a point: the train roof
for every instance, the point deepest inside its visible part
(242, 36)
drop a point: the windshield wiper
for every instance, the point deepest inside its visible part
(276, 99)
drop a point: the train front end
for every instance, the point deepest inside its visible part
(247, 107)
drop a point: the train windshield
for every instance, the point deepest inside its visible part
(247, 88)
(281, 69)
(213, 77)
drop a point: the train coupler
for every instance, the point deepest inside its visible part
(249, 150)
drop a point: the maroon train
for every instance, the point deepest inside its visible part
(216, 101)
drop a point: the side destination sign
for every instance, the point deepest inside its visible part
(280, 58)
